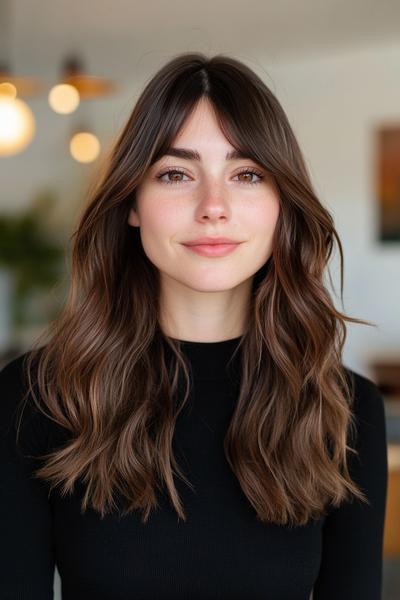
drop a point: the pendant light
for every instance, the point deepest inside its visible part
(17, 123)
(75, 85)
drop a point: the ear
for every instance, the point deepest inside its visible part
(133, 218)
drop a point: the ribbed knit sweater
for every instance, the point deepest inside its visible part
(222, 551)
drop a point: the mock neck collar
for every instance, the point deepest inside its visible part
(210, 360)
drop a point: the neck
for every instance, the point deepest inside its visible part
(192, 315)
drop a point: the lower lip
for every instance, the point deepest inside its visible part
(213, 249)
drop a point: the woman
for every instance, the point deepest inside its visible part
(188, 427)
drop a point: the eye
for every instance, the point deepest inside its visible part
(178, 174)
(169, 172)
(251, 172)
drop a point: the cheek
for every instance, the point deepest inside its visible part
(160, 226)
(261, 225)
(262, 220)
(274, 216)
(155, 215)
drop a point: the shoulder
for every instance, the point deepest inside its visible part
(369, 465)
(13, 383)
(11, 373)
(367, 400)
(18, 411)
(14, 380)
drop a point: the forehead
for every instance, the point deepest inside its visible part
(201, 129)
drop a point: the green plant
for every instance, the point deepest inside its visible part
(27, 249)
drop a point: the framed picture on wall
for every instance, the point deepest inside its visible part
(388, 183)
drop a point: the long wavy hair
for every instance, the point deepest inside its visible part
(100, 371)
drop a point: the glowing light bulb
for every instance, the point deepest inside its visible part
(64, 98)
(17, 124)
(8, 89)
(84, 147)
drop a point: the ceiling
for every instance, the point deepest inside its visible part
(123, 36)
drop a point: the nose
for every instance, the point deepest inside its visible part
(213, 203)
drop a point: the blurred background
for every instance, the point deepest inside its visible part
(70, 73)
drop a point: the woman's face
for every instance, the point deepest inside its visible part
(211, 196)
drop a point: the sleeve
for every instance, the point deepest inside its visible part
(352, 543)
(26, 549)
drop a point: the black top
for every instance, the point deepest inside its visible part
(222, 551)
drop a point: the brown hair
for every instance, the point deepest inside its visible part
(102, 374)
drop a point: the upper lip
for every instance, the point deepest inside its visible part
(211, 241)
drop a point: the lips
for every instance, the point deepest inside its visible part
(211, 241)
(212, 250)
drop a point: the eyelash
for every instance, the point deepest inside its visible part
(245, 171)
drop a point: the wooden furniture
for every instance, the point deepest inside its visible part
(391, 542)
(386, 374)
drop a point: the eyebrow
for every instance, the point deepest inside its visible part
(188, 154)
